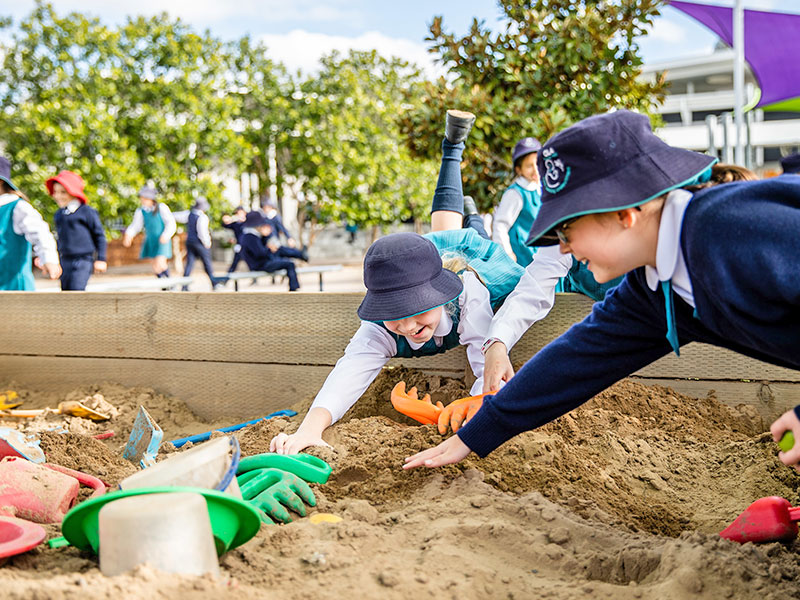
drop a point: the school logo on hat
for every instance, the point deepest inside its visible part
(557, 173)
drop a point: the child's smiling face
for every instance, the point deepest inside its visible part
(418, 328)
(60, 195)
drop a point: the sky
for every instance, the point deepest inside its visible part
(298, 32)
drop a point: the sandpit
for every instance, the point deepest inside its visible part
(621, 498)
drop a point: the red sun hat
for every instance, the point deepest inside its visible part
(72, 182)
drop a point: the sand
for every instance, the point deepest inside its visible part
(622, 498)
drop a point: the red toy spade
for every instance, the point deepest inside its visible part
(770, 519)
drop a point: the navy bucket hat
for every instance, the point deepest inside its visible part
(524, 147)
(606, 163)
(791, 163)
(404, 277)
(255, 219)
(5, 172)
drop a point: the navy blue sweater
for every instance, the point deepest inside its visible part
(741, 243)
(255, 252)
(80, 233)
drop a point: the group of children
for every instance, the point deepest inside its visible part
(679, 249)
(79, 246)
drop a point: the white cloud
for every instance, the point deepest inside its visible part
(667, 31)
(302, 50)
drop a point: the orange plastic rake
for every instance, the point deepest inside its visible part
(410, 405)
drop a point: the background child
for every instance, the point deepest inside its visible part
(269, 208)
(520, 203)
(159, 227)
(791, 164)
(81, 238)
(414, 305)
(198, 240)
(258, 254)
(22, 229)
(717, 266)
(235, 223)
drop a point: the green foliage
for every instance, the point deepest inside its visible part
(146, 101)
(346, 146)
(554, 63)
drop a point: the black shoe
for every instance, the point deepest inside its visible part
(469, 206)
(457, 125)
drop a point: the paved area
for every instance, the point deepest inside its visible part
(349, 279)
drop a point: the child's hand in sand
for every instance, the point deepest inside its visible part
(450, 451)
(297, 442)
(788, 421)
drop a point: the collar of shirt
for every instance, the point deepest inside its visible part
(251, 230)
(527, 184)
(442, 329)
(6, 198)
(72, 206)
(670, 263)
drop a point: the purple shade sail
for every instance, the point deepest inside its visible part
(771, 45)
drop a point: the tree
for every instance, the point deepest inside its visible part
(555, 62)
(346, 149)
(146, 101)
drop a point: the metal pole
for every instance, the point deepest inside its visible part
(738, 79)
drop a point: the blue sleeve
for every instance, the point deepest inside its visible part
(621, 335)
(280, 228)
(98, 234)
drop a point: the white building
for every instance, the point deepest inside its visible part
(698, 112)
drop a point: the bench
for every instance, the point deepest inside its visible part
(319, 269)
(151, 283)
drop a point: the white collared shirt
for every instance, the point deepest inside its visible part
(72, 206)
(507, 212)
(532, 298)
(670, 263)
(372, 346)
(27, 221)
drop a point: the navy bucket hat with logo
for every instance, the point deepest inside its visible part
(404, 277)
(606, 163)
(5, 172)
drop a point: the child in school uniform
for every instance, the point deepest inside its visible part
(198, 240)
(23, 232)
(414, 305)
(81, 237)
(235, 223)
(261, 254)
(159, 226)
(269, 208)
(716, 266)
(551, 272)
(520, 203)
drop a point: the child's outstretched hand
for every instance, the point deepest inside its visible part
(297, 442)
(788, 421)
(450, 451)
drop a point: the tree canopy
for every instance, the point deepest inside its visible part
(553, 63)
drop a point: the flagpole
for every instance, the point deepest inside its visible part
(738, 79)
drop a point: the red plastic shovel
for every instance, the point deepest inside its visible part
(770, 519)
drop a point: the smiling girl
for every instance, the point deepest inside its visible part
(415, 304)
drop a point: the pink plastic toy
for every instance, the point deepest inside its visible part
(40, 493)
(18, 535)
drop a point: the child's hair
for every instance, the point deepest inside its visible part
(724, 173)
(457, 263)
(7, 189)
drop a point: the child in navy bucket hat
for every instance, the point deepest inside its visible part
(23, 233)
(425, 295)
(711, 264)
(519, 204)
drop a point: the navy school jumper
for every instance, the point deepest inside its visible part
(741, 243)
(81, 238)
